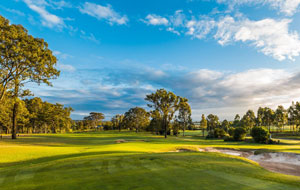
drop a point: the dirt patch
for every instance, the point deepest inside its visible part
(120, 141)
(286, 163)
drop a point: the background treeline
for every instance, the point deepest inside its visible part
(169, 113)
(35, 116)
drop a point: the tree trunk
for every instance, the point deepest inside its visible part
(165, 126)
(183, 129)
(203, 131)
(14, 119)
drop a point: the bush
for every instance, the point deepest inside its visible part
(210, 135)
(231, 131)
(229, 138)
(260, 135)
(219, 133)
(239, 134)
(216, 133)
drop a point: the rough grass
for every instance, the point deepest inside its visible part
(142, 161)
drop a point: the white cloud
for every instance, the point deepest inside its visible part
(269, 36)
(272, 37)
(199, 28)
(288, 7)
(153, 19)
(103, 12)
(68, 68)
(48, 19)
(90, 37)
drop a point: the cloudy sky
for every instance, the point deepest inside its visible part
(226, 56)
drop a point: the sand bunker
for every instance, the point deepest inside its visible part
(281, 162)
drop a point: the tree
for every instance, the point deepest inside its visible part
(117, 121)
(203, 124)
(136, 118)
(236, 122)
(293, 115)
(156, 122)
(281, 117)
(268, 117)
(260, 115)
(185, 112)
(212, 122)
(34, 107)
(225, 125)
(167, 103)
(94, 119)
(23, 59)
(248, 120)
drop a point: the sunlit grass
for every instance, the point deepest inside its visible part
(94, 160)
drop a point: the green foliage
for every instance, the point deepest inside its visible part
(93, 120)
(23, 59)
(239, 134)
(212, 122)
(136, 119)
(248, 120)
(166, 103)
(184, 113)
(216, 133)
(260, 134)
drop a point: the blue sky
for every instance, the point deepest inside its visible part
(226, 56)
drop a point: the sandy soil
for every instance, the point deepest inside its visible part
(285, 163)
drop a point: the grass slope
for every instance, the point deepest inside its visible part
(96, 161)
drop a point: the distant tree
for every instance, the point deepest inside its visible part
(94, 119)
(260, 116)
(34, 107)
(167, 103)
(117, 121)
(203, 124)
(281, 117)
(268, 117)
(225, 125)
(236, 122)
(212, 122)
(292, 115)
(185, 112)
(248, 120)
(136, 118)
(23, 59)
(156, 122)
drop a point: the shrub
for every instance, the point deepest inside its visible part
(231, 131)
(210, 135)
(219, 133)
(239, 134)
(216, 133)
(229, 138)
(260, 135)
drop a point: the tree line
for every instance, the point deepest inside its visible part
(24, 59)
(168, 113)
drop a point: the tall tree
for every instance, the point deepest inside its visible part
(268, 117)
(23, 59)
(236, 122)
(94, 119)
(136, 118)
(225, 125)
(203, 124)
(167, 103)
(281, 117)
(248, 120)
(117, 121)
(212, 122)
(185, 113)
(260, 115)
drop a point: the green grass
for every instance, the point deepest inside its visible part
(144, 161)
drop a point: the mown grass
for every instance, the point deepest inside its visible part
(143, 161)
